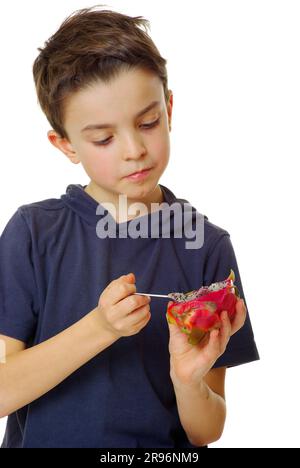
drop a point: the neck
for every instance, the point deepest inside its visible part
(123, 205)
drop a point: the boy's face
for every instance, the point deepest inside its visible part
(129, 144)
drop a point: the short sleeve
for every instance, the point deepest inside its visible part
(18, 301)
(241, 347)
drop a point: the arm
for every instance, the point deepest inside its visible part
(199, 388)
(202, 407)
(28, 374)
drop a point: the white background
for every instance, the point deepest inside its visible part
(234, 70)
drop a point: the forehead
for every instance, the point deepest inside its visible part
(121, 98)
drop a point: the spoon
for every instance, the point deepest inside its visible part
(169, 296)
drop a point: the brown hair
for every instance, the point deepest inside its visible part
(91, 45)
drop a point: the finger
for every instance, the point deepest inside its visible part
(240, 316)
(213, 345)
(129, 278)
(132, 303)
(140, 315)
(175, 331)
(225, 331)
(119, 290)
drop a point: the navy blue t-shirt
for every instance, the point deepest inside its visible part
(53, 268)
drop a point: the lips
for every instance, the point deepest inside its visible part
(139, 172)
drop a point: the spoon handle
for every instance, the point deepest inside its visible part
(154, 295)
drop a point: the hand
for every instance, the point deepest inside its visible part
(120, 311)
(190, 363)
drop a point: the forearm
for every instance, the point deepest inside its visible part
(202, 412)
(31, 373)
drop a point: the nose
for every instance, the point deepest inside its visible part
(133, 148)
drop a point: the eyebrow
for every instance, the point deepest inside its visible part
(107, 125)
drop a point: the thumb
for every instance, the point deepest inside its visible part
(173, 326)
(130, 277)
(167, 317)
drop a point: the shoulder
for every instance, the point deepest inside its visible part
(41, 214)
(196, 221)
(212, 232)
(171, 198)
(50, 206)
(32, 219)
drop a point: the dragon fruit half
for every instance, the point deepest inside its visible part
(198, 312)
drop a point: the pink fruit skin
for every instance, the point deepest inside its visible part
(197, 317)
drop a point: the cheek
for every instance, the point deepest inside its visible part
(160, 151)
(98, 165)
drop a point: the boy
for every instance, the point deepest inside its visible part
(88, 363)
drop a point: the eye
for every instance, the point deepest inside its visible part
(145, 126)
(103, 142)
(152, 124)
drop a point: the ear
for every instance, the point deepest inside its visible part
(170, 108)
(63, 145)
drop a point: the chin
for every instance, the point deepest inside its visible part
(141, 190)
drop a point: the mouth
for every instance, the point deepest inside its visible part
(139, 175)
